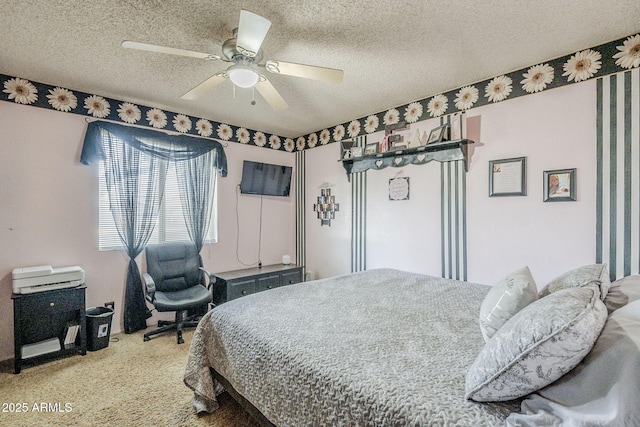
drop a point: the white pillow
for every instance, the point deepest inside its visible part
(623, 291)
(538, 345)
(594, 274)
(505, 299)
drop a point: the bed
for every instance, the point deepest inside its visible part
(376, 348)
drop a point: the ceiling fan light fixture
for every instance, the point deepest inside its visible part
(242, 76)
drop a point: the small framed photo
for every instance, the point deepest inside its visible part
(438, 134)
(507, 177)
(371, 148)
(356, 151)
(559, 185)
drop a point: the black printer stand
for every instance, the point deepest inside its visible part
(40, 316)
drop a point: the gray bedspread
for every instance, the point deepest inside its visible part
(376, 348)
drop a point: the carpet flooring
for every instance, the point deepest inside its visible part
(129, 383)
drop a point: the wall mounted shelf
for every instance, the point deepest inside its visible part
(444, 151)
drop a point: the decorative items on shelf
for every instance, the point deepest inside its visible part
(393, 141)
(326, 207)
(438, 134)
(346, 149)
(371, 148)
(350, 149)
(455, 128)
(416, 141)
(444, 151)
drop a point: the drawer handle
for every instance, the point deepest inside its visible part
(51, 304)
(269, 287)
(244, 292)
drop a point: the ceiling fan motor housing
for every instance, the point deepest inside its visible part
(231, 52)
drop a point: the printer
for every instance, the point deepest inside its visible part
(28, 280)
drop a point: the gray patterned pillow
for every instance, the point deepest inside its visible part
(538, 345)
(505, 299)
(602, 390)
(594, 274)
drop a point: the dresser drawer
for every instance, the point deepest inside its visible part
(51, 302)
(237, 289)
(291, 277)
(268, 282)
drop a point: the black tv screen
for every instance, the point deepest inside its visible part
(265, 179)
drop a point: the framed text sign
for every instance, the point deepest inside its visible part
(399, 188)
(507, 177)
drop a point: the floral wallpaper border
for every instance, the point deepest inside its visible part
(609, 58)
(23, 91)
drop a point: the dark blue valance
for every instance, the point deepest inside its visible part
(155, 143)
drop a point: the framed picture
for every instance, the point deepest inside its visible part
(438, 134)
(559, 185)
(507, 177)
(399, 188)
(371, 148)
(356, 151)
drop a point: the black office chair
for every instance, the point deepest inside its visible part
(174, 282)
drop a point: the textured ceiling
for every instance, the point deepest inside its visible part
(392, 52)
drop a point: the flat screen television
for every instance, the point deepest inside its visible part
(265, 179)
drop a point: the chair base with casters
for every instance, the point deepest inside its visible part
(173, 282)
(196, 296)
(176, 325)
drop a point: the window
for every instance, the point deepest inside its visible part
(170, 226)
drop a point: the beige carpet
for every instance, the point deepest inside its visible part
(129, 383)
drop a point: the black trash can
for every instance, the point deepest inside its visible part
(98, 327)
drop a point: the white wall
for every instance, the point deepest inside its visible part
(404, 234)
(328, 247)
(553, 129)
(49, 211)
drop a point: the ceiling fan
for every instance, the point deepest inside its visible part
(243, 50)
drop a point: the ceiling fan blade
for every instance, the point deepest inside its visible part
(305, 71)
(170, 50)
(252, 30)
(205, 86)
(271, 95)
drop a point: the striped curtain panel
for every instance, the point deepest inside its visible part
(301, 244)
(618, 173)
(359, 216)
(453, 218)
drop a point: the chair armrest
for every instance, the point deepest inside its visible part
(150, 287)
(211, 278)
